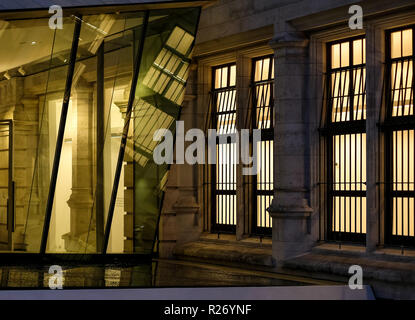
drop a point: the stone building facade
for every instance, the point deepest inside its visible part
(302, 38)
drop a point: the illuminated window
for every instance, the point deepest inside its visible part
(400, 142)
(346, 140)
(262, 88)
(224, 172)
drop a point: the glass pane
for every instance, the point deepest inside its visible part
(345, 54)
(407, 42)
(396, 44)
(44, 82)
(335, 56)
(116, 100)
(160, 92)
(75, 217)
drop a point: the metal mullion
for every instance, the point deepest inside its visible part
(218, 104)
(131, 100)
(269, 105)
(233, 106)
(344, 179)
(338, 103)
(223, 185)
(335, 187)
(346, 94)
(261, 107)
(393, 89)
(405, 88)
(270, 163)
(355, 180)
(402, 173)
(399, 111)
(351, 183)
(100, 122)
(411, 92)
(333, 96)
(61, 132)
(227, 115)
(255, 115)
(361, 180)
(361, 92)
(352, 88)
(351, 84)
(395, 185)
(342, 96)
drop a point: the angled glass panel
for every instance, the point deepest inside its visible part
(102, 80)
(160, 92)
(37, 64)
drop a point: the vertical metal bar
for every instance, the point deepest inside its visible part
(401, 182)
(61, 132)
(131, 99)
(99, 206)
(11, 193)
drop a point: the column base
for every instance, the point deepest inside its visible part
(291, 231)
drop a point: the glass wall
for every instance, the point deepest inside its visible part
(88, 139)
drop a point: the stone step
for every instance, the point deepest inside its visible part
(225, 252)
(390, 279)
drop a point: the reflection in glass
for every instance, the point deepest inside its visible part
(34, 65)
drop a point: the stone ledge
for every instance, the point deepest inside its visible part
(382, 274)
(226, 252)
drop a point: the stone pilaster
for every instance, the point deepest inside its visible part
(81, 200)
(290, 210)
(375, 74)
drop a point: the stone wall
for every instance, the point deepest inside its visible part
(296, 31)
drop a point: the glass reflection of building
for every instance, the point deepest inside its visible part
(96, 56)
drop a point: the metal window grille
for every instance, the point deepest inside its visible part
(399, 128)
(223, 173)
(344, 131)
(263, 118)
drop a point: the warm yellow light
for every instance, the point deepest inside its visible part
(349, 174)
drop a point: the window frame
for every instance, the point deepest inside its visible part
(267, 134)
(390, 125)
(214, 226)
(338, 128)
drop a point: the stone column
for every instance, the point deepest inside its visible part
(243, 121)
(290, 210)
(81, 200)
(374, 77)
